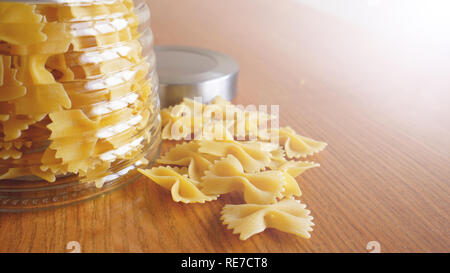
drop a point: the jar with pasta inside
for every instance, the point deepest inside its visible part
(79, 110)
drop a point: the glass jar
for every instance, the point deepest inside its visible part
(79, 110)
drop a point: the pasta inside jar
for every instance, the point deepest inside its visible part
(79, 110)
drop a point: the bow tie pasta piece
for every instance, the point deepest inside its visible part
(178, 128)
(187, 155)
(182, 188)
(297, 146)
(288, 215)
(50, 162)
(13, 127)
(18, 172)
(19, 13)
(173, 112)
(175, 118)
(227, 175)
(276, 151)
(252, 125)
(215, 130)
(15, 144)
(74, 152)
(96, 173)
(277, 157)
(46, 175)
(38, 71)
(218, 116)
(248, 122)
(20, 25)
(70, 123)
(57, 42)
(219, 100)
(43, 99)
(195, 107)
(58, 67)
(251, 155)
(10, 87)
(7, 153)
(296, 168)
(292, 169)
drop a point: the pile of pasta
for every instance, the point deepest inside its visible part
(262, 170)
(75, 90)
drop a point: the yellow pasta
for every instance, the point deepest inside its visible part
(178, 122)
(296, 168)
(277, 157)
(292, 169)
(297, 146)
(15, 144)
(13, 127)
(42, 99)
(57, 42)
(251, 155)
(8, 153)
(74, 151)
(227, 175)
(20, 25)
(187, 155)
(10, 87)
(215, 130)
(57, 65)
(182, 188)
(221, 166)
(70, 123)
(218, 120)
(96, 173)
(288, 215)
(46, 175)
(79, 88)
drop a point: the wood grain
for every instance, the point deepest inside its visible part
(382, 106)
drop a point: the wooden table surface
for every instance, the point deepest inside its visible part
(381, 104)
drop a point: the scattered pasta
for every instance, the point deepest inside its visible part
(227, 175)
(251, 155)
(187, 155)
(288, 215)
(182, 188)
(217, 159)
(297, 146)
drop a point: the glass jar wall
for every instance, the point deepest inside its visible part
(79, 110)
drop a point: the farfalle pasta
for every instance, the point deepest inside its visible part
(182, 188)
(78, 87)
(292, 169)
(227, 175)
(297, 146)
(219, 159)
(187, 155)
(218, 120)
(288, 215)
(252, 155)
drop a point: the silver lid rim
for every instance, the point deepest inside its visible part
(217, 80)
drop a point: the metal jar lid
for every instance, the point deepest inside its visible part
(194, 72)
